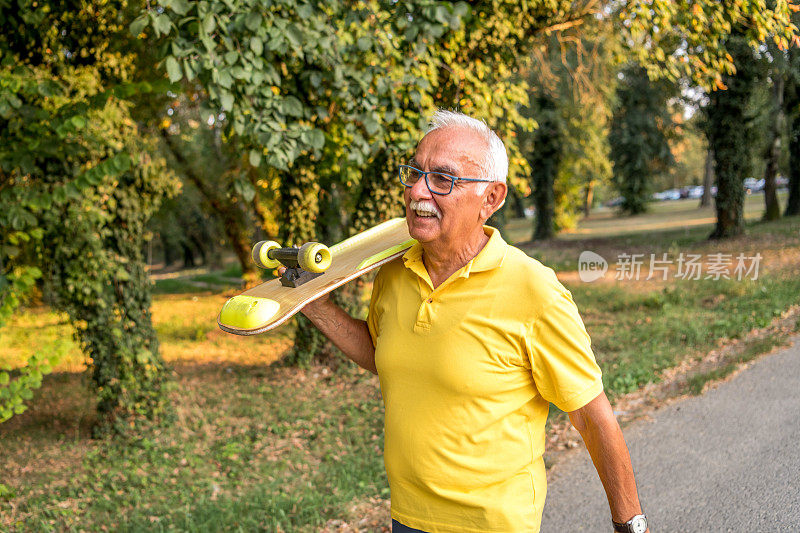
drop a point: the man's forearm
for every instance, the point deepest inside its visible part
(348, 334)
(603, 438)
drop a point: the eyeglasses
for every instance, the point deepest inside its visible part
(437, 182)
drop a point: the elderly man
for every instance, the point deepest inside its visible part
(472, 339)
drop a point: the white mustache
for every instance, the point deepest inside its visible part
(425, 205)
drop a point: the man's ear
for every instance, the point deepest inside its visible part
(494, 198)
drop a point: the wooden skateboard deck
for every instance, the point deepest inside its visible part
(270, 304)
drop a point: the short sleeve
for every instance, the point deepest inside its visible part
(373, 316)
(562, 362)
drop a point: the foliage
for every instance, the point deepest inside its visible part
(327, 98)
(217, 179)
(331, 108)
(14, 392)
(689, 38)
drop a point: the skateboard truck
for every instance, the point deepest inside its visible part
(302, 264)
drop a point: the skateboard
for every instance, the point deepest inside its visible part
(312, 270)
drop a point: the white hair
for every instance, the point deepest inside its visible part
(495, 165)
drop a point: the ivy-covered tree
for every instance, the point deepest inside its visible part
(770, 121)
(791, 106)
(729, 133)
(78, 179)
(639, 136)
(544, 158)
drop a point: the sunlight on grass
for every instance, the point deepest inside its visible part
(186, 326)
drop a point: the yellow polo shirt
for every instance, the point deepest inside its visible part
(467, 372)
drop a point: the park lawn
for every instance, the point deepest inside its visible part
(254, 446)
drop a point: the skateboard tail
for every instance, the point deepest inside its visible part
(247, 312)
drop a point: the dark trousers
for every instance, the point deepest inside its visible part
(397, 527)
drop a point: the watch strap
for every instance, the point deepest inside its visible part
(621, 527)
(627, 527)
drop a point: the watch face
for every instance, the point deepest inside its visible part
(639, 524)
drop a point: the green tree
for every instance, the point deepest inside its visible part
(791, 106)
(639, 136)
(544, 160)
(769, 124)
(567, 152)
(729, 134)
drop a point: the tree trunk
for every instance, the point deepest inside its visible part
(233, 222)
(791, 102)
(545, 162)
(188, 256)
(793, 202)
(517, 204)
(729, 137)
(169, 251)
(708, 179)
(772, 209)
(588, 193)
(544, 226)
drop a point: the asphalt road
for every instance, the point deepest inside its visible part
(725, 461)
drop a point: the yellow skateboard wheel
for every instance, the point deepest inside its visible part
(260, 257)
(314, 257)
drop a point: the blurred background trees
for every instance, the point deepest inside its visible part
(179, 133)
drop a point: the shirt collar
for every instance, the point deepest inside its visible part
(490, 257)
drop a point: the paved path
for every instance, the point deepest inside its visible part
(725, 461)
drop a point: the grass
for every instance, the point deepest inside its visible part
(251, 448)
(254, 446)
(697, 383)
(636, 336)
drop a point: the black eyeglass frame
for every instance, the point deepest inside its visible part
(452, 179)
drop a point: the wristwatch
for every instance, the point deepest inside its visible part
(637, 524)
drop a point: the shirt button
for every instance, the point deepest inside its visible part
(430, 300)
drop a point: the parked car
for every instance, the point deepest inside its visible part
(672, 194)
(752, 185)
(696, 192)
(615, 201)
(781, 182)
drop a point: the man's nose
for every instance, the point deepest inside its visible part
(420, 190)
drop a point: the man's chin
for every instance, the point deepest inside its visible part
(423, 229)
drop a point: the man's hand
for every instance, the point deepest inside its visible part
(348, 334)
(317, 307)
(603, 438)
